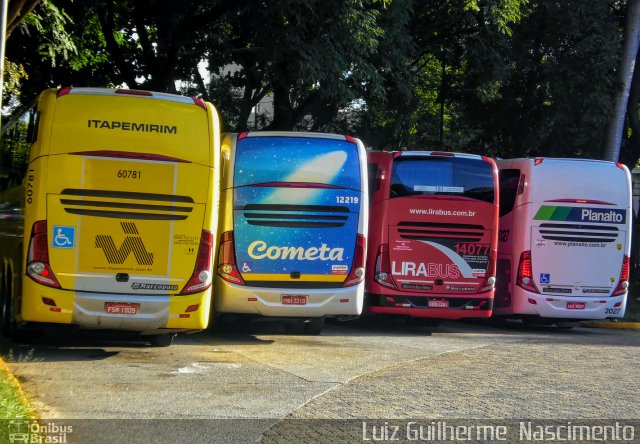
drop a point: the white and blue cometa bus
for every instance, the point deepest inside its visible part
(293, 215)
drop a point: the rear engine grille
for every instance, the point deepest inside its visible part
(126, 205)
(578, 232)
(433, 230)
(296, 216)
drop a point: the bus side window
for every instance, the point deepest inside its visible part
(509, 180)
(372, 171)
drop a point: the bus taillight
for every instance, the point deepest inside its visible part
(201, 277)
(623, 282)
(525, 273)
(382, 271)
(490, 276)
(38, 267)
(227, 268)
(357, 269)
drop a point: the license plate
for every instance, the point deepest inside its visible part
(576, 305)
(294, 299)
(438, 304)
(121, 308)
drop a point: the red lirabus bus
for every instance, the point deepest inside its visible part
(433, 233)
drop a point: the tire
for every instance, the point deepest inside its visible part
(314, 326)
(163, 340)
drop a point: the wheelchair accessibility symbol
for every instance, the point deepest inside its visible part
(63, 237)
(545, 278)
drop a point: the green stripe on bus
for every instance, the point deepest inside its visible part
(561, 213)
(545, 212)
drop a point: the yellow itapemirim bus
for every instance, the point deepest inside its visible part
(114, 224)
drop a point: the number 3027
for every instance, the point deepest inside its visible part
(347, 199)
(129, 174)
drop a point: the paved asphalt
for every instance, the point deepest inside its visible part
(233, 386)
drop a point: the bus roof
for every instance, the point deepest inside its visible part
(535, 161)
(438, 153)
(130, 92)
(293, 134)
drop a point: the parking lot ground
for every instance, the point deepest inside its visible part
(376, 369)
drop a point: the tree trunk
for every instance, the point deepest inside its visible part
(625, 74)
(631, 153)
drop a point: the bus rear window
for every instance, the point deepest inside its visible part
(265, 160)
(447, 176)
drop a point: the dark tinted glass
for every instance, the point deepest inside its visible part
(447, 176)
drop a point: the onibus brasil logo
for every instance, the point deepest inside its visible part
(31, 431)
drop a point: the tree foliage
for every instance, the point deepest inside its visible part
(498, 77)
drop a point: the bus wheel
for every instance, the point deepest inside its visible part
(163, 340)
(314, 326)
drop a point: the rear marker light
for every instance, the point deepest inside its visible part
(382, 273)
(243, 135)
(38, 267)
(623, 282)
(525, 273)
(55, 309)
(538, 161)
(63, 91)
(533, 301)
(490, 280)
(617, 304)
(357, 267)
(344, 300)
(134, 92)
(227, 268)
(192, 308)
(184, 315)
(620, 165)
(201, 277)
(349, 139)
(199, 102)
(49, 301)
(252, 299)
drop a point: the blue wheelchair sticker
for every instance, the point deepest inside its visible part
(545, 278)
(63, 237)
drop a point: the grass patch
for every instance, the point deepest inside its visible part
(13, 405)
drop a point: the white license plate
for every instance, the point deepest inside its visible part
(294, 299)
(121, 308)
(438, 304)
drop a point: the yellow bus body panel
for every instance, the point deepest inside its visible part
(121, 221)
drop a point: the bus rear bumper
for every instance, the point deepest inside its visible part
(570, 307)
(438, 313)
(420, 306)
(261, 301)
(89, 310)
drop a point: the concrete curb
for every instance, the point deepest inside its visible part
(614, 325)
(21, 395)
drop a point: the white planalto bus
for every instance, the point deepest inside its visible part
(564, 240)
